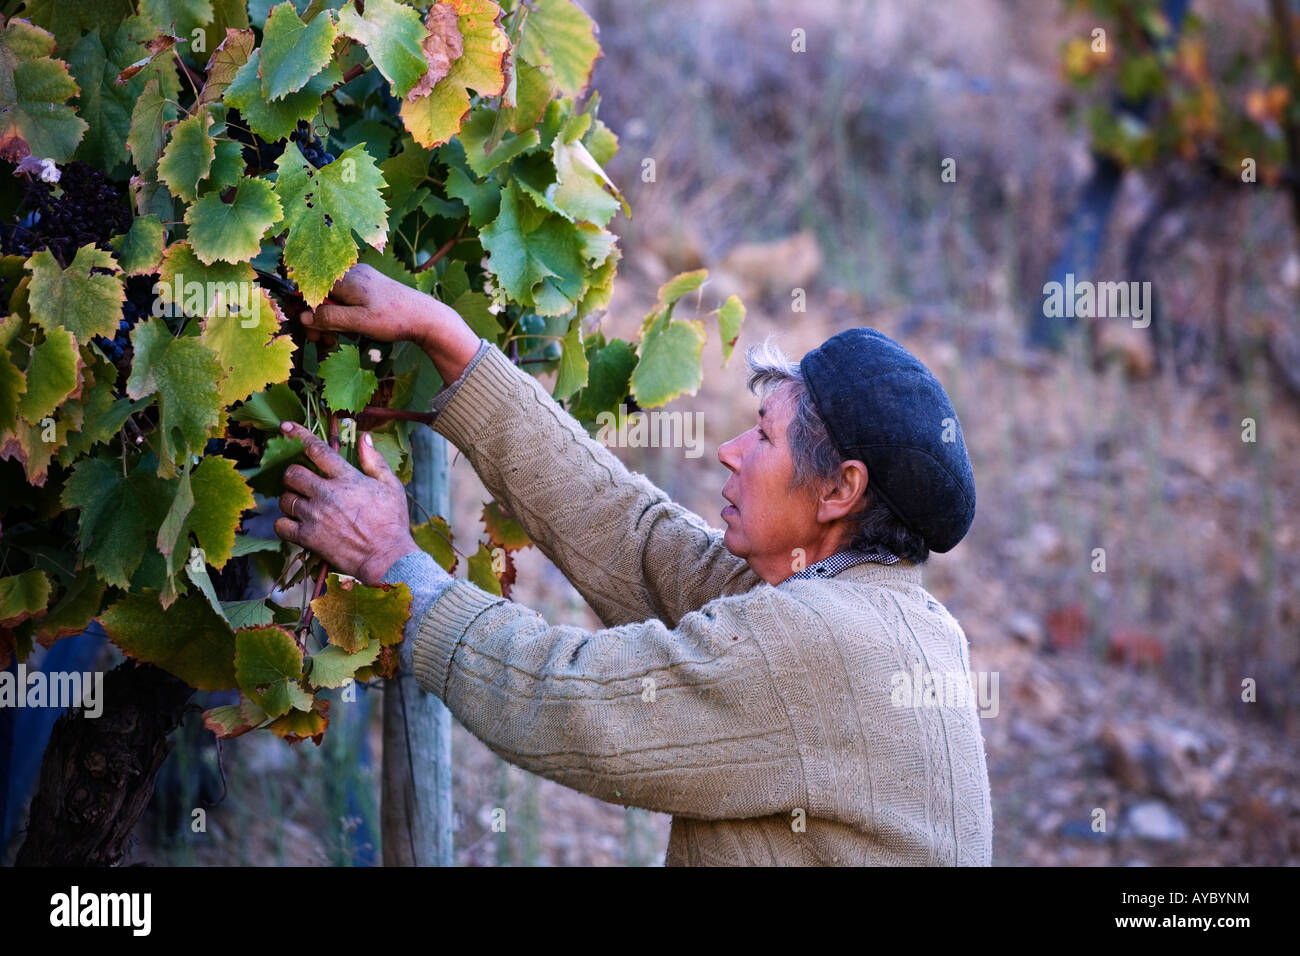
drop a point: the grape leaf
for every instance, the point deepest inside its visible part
(354, 614)
(152, 111)
(23, 596)
(188, 639)
(140, 248)
(322, 208)
(730, 317)
(573, 363)
(479, 571)
(34, 116)
(227, 167)
(434, 538)
(231, 54)
(441, 45)
(436, 116)
(181, 16)
(483, 200)
(559, 35)
(76, 608)
(184, 373)
(274, 120)
(232, 232)
(582, 188)
(534, 254)
(503, 532)
(334, 667)
(268, 477)
(347, 386)
(13, 382)
(208, 505)
(68, 21)
(474, 137)
(53, 374)
(104, 411)
(268, 665)
(292, 51)
(118, 515)
(669, 364)
(232, 720)
(266, 410)
(188, 156)
(86, 305)
(298, 725)
(251, 355)
(680, 285)
(392, 34)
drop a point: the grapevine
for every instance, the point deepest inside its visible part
(173, 199)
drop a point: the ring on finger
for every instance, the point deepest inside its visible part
(293, 504)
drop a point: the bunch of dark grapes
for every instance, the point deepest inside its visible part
(257, 152)
(90, 209)
(137, 307)
(310, 144)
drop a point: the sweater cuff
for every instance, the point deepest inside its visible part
(441, 630)
(427, 580)
(445, 394)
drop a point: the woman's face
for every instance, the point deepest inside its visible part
(766, 521)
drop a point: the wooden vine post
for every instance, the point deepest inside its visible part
(416, 808)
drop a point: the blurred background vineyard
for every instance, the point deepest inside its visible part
(820, 170)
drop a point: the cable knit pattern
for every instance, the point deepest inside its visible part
(738, 707)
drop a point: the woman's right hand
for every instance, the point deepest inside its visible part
(369, 303)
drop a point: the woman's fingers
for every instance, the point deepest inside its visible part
(303, 481)
(373, 462)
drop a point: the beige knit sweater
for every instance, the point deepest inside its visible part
(766, 720)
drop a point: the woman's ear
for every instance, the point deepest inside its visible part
(845, 496)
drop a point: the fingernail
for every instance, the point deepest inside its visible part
(367, 439)
(286, 426)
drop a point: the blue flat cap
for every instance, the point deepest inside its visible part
(883, 407)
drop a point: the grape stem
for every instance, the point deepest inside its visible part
(445, 248)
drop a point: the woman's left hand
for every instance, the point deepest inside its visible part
(358, 522)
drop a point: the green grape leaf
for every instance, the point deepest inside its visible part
(118, 515)
(243, 614)
(334, 667)
(232, 232)
(435, 116)
(292, 51)
(189, 639)
(105, 413)
(573, 363)
(608, 378)
(274, 120)
(23, 596)
(322, 208)
(479, 571)
(86, 305)
(434, 538)
(53, 375)
(681, 285)
(298, 725)
(188, 156)
(534, 254)
(669, 362)
(232, 720)
(534, 86)
(354, 614)
(582, 189)
(347, 386)
(227, 167)
(181, 16)
(601, 142)
(483, 200)
(34, 116)
(68, 21)
(504, 532)
(184, 373)
(245, 544)
(268, 665)
(475, 309)
(149, 118)
(730, 317)
(267, 409)
(477, 131)
(558, 34)
(34, 446)
(268, 477)
(251, 355)
(231, 54)
(393, 36)
(208, 505)
(13, 382)
(75, 610)
(140, 248)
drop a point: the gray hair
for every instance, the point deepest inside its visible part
(816, 460)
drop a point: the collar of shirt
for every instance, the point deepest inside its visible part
(837, 562)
